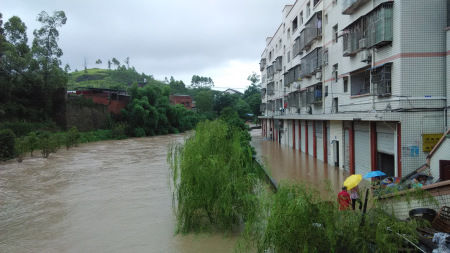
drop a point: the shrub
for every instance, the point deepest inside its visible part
(214, 178)
(31, 142)
(20, 149)
(72, 137)
(297, 219)
(139, 132)
(118, 131)
(49, 144)
(7, 142)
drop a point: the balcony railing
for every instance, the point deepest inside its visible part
(270, 73)
(262, 64)
(313, 29)
(311, 63)
(381, 80)
(380, 25)
(278, 64)
(270, 89)
(350, 6)
(292, 75)
(314, 94)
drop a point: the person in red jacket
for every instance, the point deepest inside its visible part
(344, 199)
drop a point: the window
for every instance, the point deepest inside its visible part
(316, 2)
(335, 105)
(289, 33)
(360, 82)
(335, 33)
(345, 84)
(381, 80)
(308, 9)
(326, 91)
(301, 17)
(326, 19)
(289, 56)
(294, 25)
(335, 72)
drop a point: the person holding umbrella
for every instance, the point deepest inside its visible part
(354, 196)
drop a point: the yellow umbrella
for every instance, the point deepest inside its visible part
(352, 181)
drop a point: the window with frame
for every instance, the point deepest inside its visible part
(301, 18)
(345, 84)
(335, 72)
(294, 24)
(308, 10)
(326, 91)
(335, 33)
(381, 80)
(360, 82)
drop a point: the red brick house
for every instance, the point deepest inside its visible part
(116, 100)
(184, 100)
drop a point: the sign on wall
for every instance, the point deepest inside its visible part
(429, 141)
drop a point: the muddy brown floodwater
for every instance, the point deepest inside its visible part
(114, 196)
(110, 196)
(286, 164)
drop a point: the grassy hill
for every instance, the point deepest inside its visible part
(105, 78)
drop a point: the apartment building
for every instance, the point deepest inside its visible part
(359, 84)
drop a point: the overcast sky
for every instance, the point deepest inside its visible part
(220, 39)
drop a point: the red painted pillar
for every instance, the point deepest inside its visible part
(399, 149)
(306, 137)
(352, 149)
(299, 136)
(293, 134)
(314, 139)
(325, 142)
(373, 145)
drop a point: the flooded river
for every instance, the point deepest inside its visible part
(110, 196)
(113, 196)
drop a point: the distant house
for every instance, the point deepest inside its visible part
(439, 158)
(116, 100)
(232, 91)
(184, 100)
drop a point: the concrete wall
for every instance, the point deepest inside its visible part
(86, 118)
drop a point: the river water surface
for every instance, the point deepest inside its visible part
(110, 196)
(114, 196)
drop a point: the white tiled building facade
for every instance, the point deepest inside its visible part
(357, 83)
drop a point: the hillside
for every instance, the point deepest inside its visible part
(104, 78)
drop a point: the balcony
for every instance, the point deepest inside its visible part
(314, 94)
(262, 107)
(311, 63)
(270, 73)
(380, 25)
(278, 64)
(371, 30)
(271, 89)
(299, 44)
(262, 64)
(294, 99)
(313, 29)
(292, 75)
(350, 6)
(263, 92)
(381, 80)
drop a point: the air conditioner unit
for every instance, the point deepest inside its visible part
(362, 43)
(319, 75)
(365, 56)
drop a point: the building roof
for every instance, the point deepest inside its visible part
(229, 90)
(436, 147)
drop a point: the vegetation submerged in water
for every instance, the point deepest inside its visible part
(214, 177)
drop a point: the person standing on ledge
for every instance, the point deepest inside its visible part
(344, 199)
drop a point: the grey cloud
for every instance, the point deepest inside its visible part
(161, 37)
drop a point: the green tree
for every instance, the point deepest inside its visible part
(127, 61)
(204, 101)
(116, 62)
(109, 64)
(98, 61)
(47, 53)
(201, 82)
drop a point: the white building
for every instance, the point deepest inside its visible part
(359, 83)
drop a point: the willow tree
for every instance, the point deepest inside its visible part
(214, 177)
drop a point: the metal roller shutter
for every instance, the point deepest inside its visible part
(302, 123)
(347, 149)
(310, 138)
(386, 138)
(319, 139)
(362, 148)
